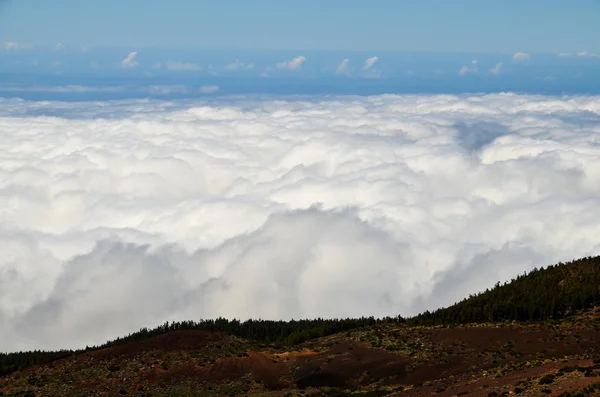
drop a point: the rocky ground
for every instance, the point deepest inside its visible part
(560, 358)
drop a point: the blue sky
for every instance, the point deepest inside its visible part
(129, 48)
(385, 25)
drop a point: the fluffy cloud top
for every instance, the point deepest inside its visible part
(294, 64)
(521, 56)
(370, 62)
(129, 61)
(183, 66)
(118, 215)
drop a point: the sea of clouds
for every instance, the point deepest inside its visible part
(118, 215)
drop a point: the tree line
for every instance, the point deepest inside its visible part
(550, 293)
(266, 331)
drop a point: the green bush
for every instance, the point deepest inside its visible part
(548, 379)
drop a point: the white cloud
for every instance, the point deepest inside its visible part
(496, 69)
(294, 64)
(343, 66)
(237, 64)
(469, 69)
(11, 45)
(521, 56)
(209, 89)
(183, 66)
(60, 47)
(155, 89)
(370, 62)
(582, 54)
(128, 214)
(129, 61)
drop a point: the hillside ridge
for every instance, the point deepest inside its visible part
(526, 327)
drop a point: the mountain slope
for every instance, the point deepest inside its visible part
(552, 292)
(471, 348)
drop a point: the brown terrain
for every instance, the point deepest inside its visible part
(560, 358)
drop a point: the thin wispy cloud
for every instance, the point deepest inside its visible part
(294, 64)
(129, 61)
(521, 56)
(496, 69)
(210, 89)
(343, 66)
(370, 62)
(177, 66)
(582, 54)
(60, 47)
(473, 68)
(237, 65)
(11, 45)
(155, 90)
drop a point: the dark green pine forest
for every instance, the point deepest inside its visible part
(550, 293)
(553, 292)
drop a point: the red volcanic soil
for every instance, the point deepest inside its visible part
(349, 365)
(391, 359)
(170, 342)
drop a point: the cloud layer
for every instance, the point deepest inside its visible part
(117, 215)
